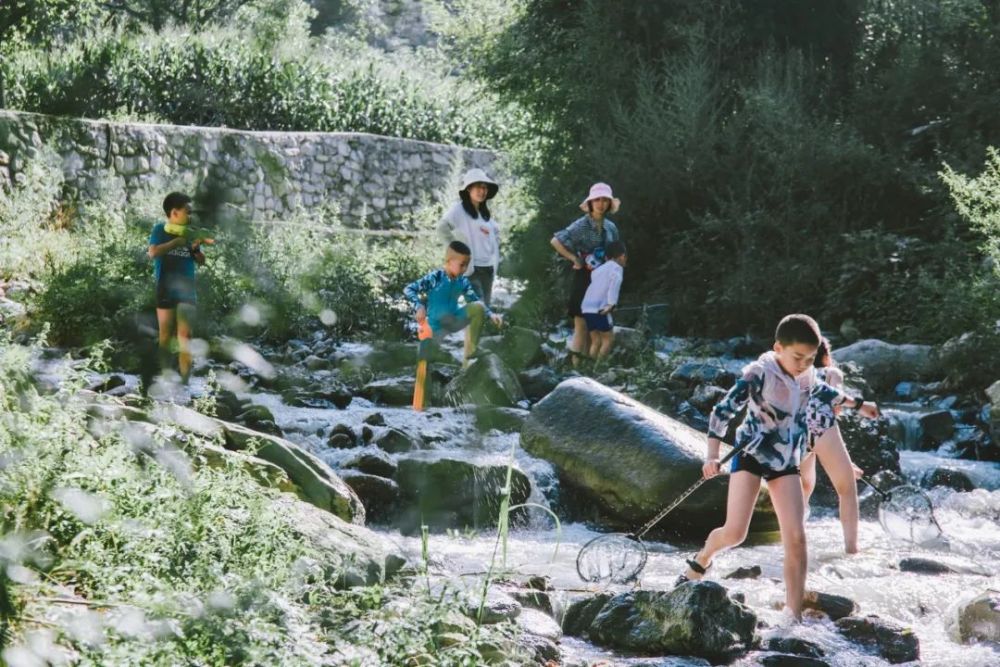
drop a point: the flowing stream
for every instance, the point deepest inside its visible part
(872, 578)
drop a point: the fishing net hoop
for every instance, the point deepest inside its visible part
(615, 558)
(908, 515)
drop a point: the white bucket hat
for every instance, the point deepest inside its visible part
(597, 191)
(477, 175)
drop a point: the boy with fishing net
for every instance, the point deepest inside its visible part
(438, 313)
(786, 406)
(175, 248)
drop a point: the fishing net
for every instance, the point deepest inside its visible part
(908, 515)
(614, 558)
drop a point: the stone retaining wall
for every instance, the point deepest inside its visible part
(378, 180)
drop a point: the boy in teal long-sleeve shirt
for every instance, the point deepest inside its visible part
(435, 299)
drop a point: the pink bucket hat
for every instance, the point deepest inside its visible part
(598, 190)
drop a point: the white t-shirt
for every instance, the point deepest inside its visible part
(605, 281)
(482, 236)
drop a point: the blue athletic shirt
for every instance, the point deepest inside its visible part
(175, 270)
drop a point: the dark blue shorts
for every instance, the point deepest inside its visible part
(747, 463)
(597, 322)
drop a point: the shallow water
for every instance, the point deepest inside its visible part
(871, 578)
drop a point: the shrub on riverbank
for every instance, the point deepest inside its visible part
(275, 280)
(116, 547)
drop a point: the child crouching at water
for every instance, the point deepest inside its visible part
(786, 404)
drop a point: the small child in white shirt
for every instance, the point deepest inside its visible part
(602, 297)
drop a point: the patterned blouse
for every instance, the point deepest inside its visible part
(581, 235)
(782, 412)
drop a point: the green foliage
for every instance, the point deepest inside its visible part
(166, 561)
(771, 156)
(274, 280)
(264, 74)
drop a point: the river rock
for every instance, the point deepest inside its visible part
(706, 396)
(351, 554)
(259, 418)
(317, 482)
(375, 419)
(445, 492)
(538, 382)
(496, 608)
(323, 396)
(705, 371)
(518, 347)
(924, 566)
(535, 622)
(794, 645)
(885, 364)
(936, 427)
(396, 391)
(543, 651)
(791, 660)
(372, 462)
(581, 612)
(746, 572)
(395, 441)
(976, 620)
(379, 495)
(627, 459)
(947, 477)
(487, 381)
(697, 618)
(508, 420)
(891, 641)
(834, 606)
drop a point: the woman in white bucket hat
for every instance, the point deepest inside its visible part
(469, 220)
(583, 243)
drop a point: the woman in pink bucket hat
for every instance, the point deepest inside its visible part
(583, 243)
(470, 221)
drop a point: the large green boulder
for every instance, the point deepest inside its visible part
(487, 381)
(628, 460)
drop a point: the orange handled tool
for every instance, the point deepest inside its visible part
(426, 337)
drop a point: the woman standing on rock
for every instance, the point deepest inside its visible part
(583, 243)
(470, 221)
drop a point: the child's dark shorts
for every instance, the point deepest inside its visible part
(747, 463)
(172, 293)
(597, 322)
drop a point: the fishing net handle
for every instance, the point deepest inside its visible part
(677, 501)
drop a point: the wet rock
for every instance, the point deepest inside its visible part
(706, 396)
(924, 566)
(580, 613)
(791, 660)
(396, 441)
(977, 620)
(543, 651)
(891, 641)
(660, 399)
(341, 441)
(972, 443)
(508, 420)
(322, 396)
(373, 463)
(106, 384)
(948, 477)
(834, 606)
(540, 600)
(367, 433)
(379, 495)
(259, 418)
(487, 381)
(626, 460)
(519, 347)
(707, 371)
(397, 391)
(936, 427)
(538, 623)
(350, 554)
(445, 492)
(228, 404)
(375, 419)
(885, 365)
(315, 363)
(696, 618)
(316, 481)
(538, 382)
(795, 646)
(750, 572)
(496, 608)
(540, 583)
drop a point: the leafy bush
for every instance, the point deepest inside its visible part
(121, 549)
